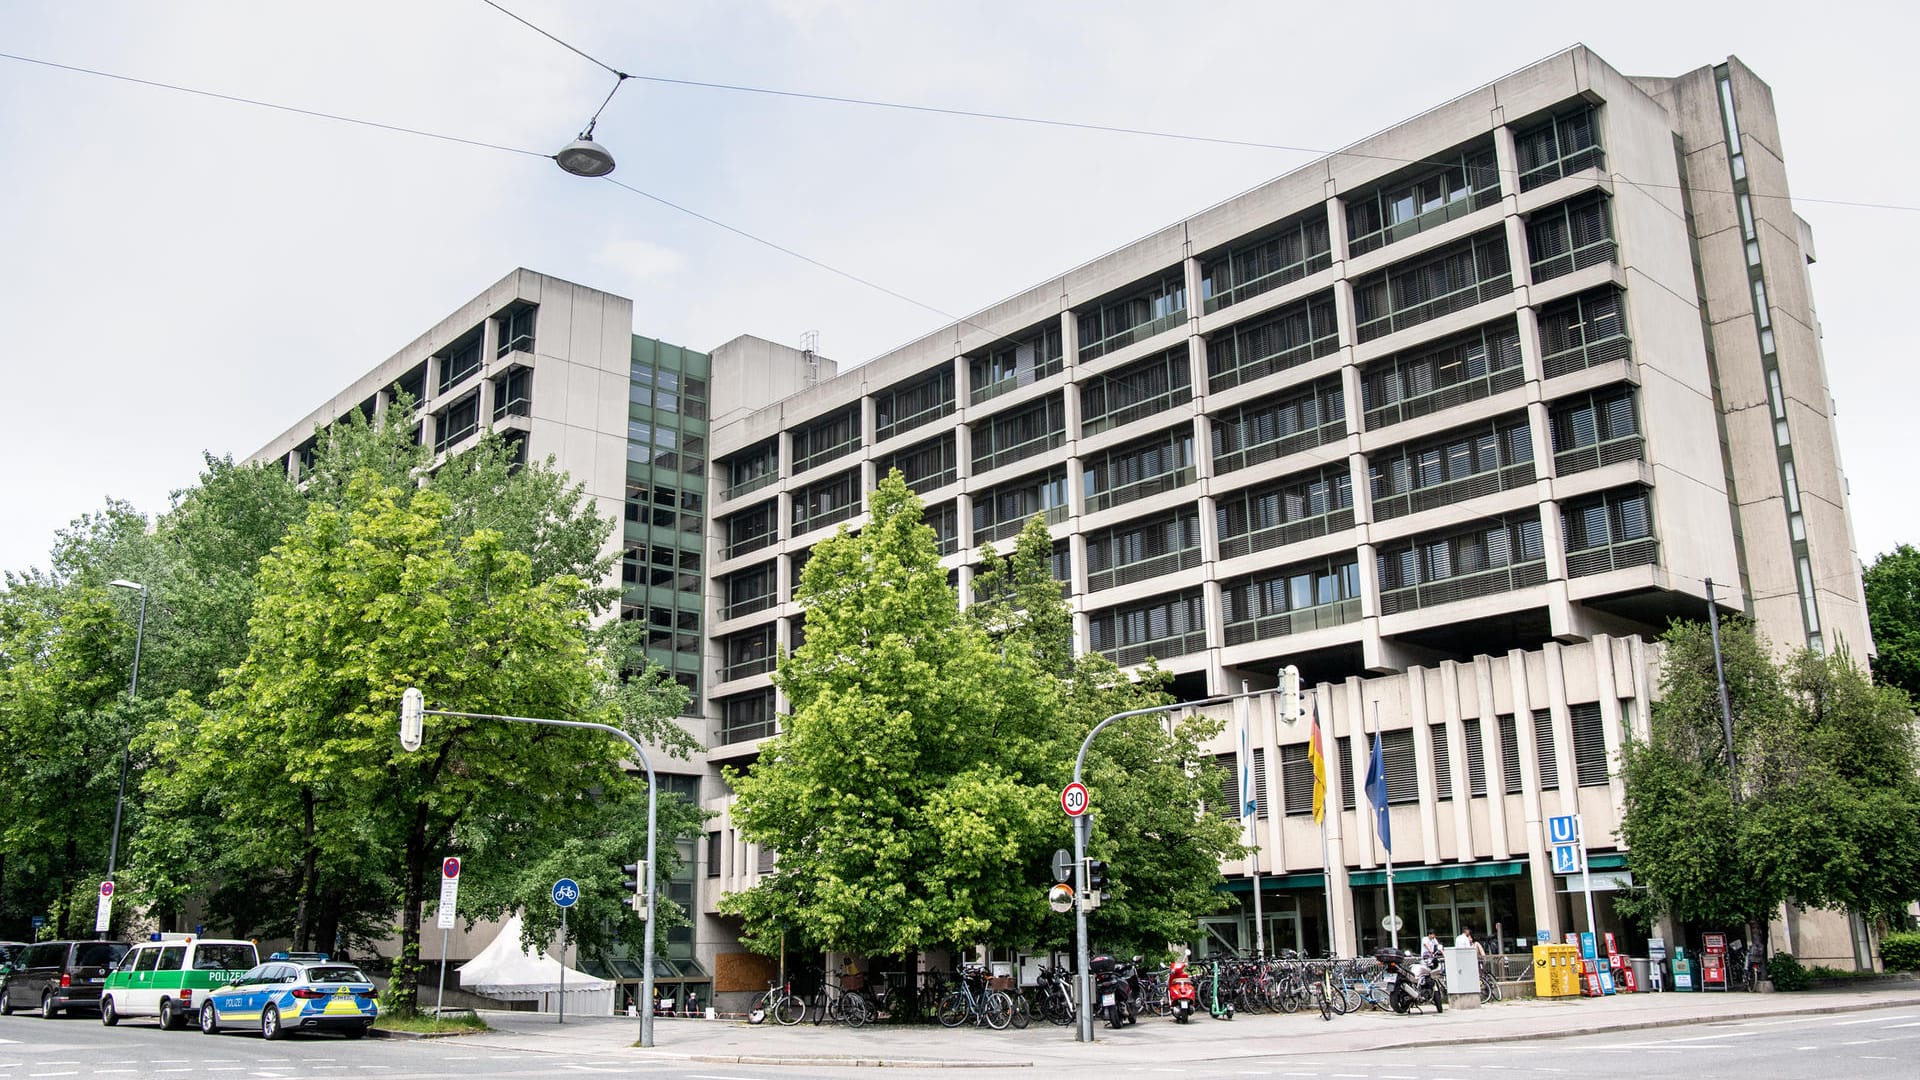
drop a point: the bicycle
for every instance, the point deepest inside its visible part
(1056, 1000)
(970, 999)
(779, 1003)
(840, 1006)
(1489, 984)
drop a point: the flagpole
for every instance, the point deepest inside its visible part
(1393, 917)
(1248, 805)
(1319, 809)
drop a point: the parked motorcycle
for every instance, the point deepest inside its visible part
(1410, 983)
(1116, 989)
(1181, 996)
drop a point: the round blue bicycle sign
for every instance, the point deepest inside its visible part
(565, 892)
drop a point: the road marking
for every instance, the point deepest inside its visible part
(1875, 1019)
(1859, 1042)
(1914, 1023)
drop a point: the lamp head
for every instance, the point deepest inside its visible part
(123, 583)
(584, 157)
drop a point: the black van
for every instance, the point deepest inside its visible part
(59, 976)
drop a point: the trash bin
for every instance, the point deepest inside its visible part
(1642, 973)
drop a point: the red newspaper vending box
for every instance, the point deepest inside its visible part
(1713, 962)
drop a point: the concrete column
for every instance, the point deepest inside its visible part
(1610, 720)
(1460, 782)
(1423, 764)
(1339, 886)
(1497, 842)
(1556, 665)
(1365, 836)
(1539, 866)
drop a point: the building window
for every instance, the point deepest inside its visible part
(1133, 315)
(944, 520)
(516, 329)
(1230, 804)
(1543, 749)
(1571, 236)
(1594, 430)
(1020, 433)
(751, 652)
(457, 363)
(750, 590)
(825, 440)
(1608, 531)
(1510, 754)
(746, 717)
(750, 529)
(924, 466)
(826, 502)
(1291, 599)
(1153, 385)
(1275, 427)
(1001, 512)
(1296, 780)
(1476, 757)
(1163, 627)
(1019, 360)
(1400, 766)
(1436, 191)
(1148, 467)
(1284, 338)
(714, 841)
(412, 386)
(1583, 331)
(1451, 279)
(1461, 465)
(908, 405)
(1287, 511)
(1501, 555)
(1465, 367)
(1558, 146)
(1589, 745)
(513, 393)
(1138, 550)
(753, 468)
(1300, 246)
(1442, 762)
(1345, 744)
(457, 421)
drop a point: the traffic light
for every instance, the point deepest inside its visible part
(1096, 875)
(1291, 708)
(636, 883)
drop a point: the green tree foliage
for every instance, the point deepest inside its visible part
(911, 793)
(1893, 609)
(1826, 786)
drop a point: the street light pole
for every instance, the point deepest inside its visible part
(1083, 978)
(412, 709)
(133, 690)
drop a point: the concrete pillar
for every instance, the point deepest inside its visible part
(1497, 842)
(1423, 764)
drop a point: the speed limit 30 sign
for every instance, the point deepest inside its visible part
(1073, 799)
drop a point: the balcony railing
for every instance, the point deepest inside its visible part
(1467, 487)
(1139, 332)
(825, 517)
(888, 429)
(1590, 354)
(731, 732)
(1015, 380)
(825, 454)
(1446, 397)
(1006, 455)
(765, 479)
(1338, 613)
(1464, 587)
(1643, 552)
(1587, 157)
(1127, 573)
(757, 666)
(1292, 532)
(1281, 447)
(1459, 299)
(1261, 367)
(1590, 254)
(749, 605)
(1140, 489)
(1613, 451)
(520, 406)
(1439, 215)
(1272, 279)
(994, 533)
(1127, 414)
(1159, 648)
(752, 543)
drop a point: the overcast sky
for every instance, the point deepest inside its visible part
(180, 274)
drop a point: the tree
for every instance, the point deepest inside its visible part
(1893, 609)
(1823, 784)
(910, 795)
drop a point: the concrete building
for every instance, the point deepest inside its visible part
(1453, 420)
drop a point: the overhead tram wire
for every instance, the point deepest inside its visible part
(1250, 144)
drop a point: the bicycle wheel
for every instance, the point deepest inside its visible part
(1059, 1007)
(1022, 1012)
(998, 1010)
(853, 1009)
(789, 1010)
(953, 1009)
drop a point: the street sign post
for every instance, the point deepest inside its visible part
(1062, 865)
(103, 915)
(449, 898)
(1074, 800)
(1392, 924)
(1568, 835)
(565, 893)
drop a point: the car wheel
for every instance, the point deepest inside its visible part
(209, 1020)
(108, 1015)
(47, 1011)
(169, 1016)
(6, 1003)
(270, 1023)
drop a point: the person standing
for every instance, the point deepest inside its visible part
(1430, 953)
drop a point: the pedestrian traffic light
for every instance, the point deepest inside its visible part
(1291, 708)
(1096, 875)
(635, 883)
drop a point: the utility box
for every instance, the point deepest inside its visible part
(1463, 976)
(1556, 971)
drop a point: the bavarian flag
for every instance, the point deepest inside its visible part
(1319, 763)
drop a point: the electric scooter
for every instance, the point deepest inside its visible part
(1216, 1009)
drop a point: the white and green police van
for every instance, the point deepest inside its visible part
(169, 977)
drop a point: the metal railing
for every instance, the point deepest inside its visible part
(1175, 645)
(1127, 573)
(1445, 304)
(1272, 449)
(1582, 458)
(1138, 332)
(1446, 397)
(1292, 532)
(1454, 491)
(1299, 621)
(1464, 587)
(1140, 489)
(1644, 552)
(1586, 355)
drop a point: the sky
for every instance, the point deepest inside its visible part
(183, 275)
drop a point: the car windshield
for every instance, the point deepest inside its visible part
(223, 957)
(336, 973)
(98, 953)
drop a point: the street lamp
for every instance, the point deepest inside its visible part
(412, 711)
(133, 689)
(584, 157)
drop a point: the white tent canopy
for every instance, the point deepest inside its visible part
(506, 971)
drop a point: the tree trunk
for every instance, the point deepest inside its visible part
(326, 923)
(309, 868)
(404, 989)
(63, 918)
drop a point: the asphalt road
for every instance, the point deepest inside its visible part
(1871, 1044)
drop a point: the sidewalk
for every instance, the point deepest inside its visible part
(1044, 1046)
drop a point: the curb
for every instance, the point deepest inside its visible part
(827, 1061)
